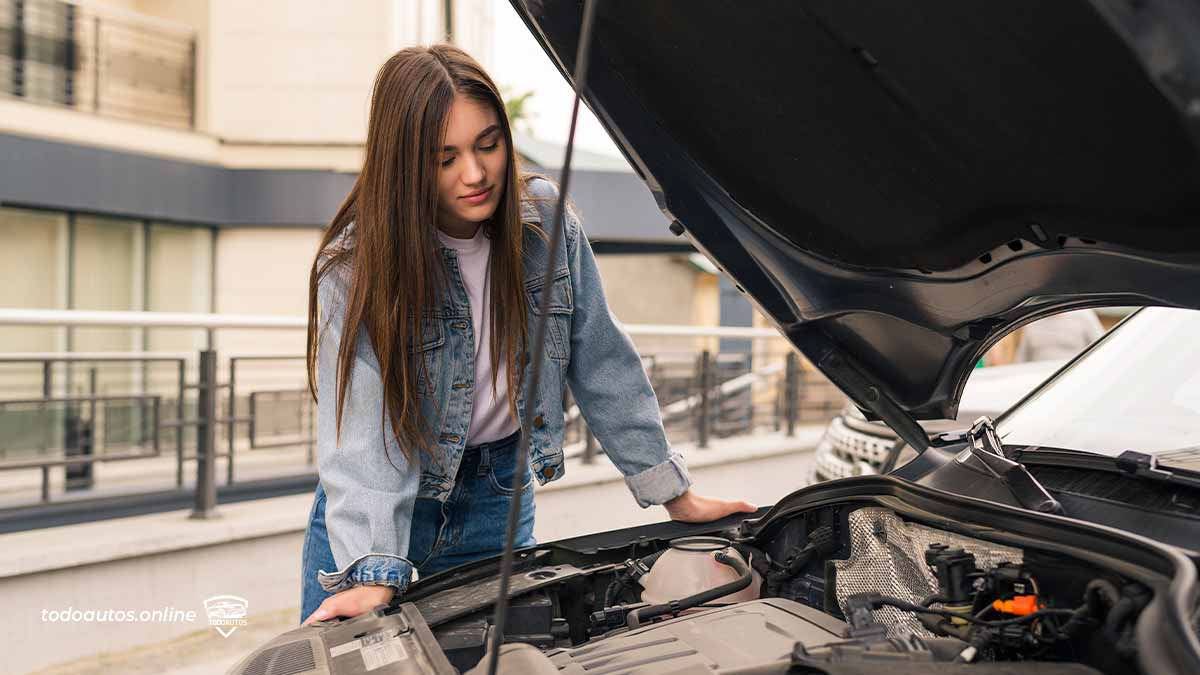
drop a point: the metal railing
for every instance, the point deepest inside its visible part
(106, 62)
(704, 395)
(207, 387)
(83, 460)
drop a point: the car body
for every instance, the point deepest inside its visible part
(895, 188)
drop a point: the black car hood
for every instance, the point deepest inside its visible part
(897, 186)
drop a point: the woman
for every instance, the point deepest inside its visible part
(428, 283)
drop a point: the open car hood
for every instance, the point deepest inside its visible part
(895, 186)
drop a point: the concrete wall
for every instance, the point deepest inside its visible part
(263, 271)
(295, 71)
(660, 289)
(706, 309)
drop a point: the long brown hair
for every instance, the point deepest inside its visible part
(392, 255)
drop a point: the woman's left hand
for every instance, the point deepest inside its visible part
(690, 507)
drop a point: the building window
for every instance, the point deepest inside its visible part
(54, 260)
(32, 274)
(106, 274)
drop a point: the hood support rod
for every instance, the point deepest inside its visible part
(866, 394)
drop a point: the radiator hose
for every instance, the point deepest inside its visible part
(642, 614)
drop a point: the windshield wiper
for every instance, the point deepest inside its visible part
(1131, 463)
(985, 446)
(1143, 465)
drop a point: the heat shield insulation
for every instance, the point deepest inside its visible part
(887, 555)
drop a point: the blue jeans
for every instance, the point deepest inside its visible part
(469, 525)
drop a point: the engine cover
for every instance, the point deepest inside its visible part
(748, 634)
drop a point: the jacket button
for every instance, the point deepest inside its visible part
(538, 422)
(452, 438)
(461, 325)
(460, 385)
(548, 472)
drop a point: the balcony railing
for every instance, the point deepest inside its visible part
(158, 417)
(107, 63)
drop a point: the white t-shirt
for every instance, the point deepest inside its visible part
(490, 420)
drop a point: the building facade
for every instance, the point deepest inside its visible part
(184, 156)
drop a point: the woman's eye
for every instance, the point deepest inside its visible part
(489, 148)
(448, 161)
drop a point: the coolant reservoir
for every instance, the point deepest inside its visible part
(690, 566)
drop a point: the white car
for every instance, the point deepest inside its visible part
(854, 446)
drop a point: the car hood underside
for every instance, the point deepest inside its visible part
(898, 189)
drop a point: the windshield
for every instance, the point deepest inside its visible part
(1138, 389)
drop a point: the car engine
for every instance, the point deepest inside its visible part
(839, 589)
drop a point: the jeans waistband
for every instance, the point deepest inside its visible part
(491, 445)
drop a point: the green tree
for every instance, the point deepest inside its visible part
(517, 107)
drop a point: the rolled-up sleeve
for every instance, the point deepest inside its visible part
(369, 499)
(608, 381)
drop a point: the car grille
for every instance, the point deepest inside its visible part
(291, 658)
(852, 446)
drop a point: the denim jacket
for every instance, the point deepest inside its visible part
(369, 503)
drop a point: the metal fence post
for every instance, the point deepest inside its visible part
(748, 369)
(180, 411)
(231, 428)
(47, 392)
(705, 378)
(791, 389)
(92, 394)
(206, 431)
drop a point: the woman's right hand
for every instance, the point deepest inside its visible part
(352, 602)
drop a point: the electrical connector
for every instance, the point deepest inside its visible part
(1021, 605)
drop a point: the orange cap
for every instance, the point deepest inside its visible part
(1020, 605)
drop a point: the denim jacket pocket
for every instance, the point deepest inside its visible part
(433, 335)
(558, 324)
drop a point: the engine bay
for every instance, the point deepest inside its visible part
(835, 586)
(835, 589)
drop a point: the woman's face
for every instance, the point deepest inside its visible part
(472, 166)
